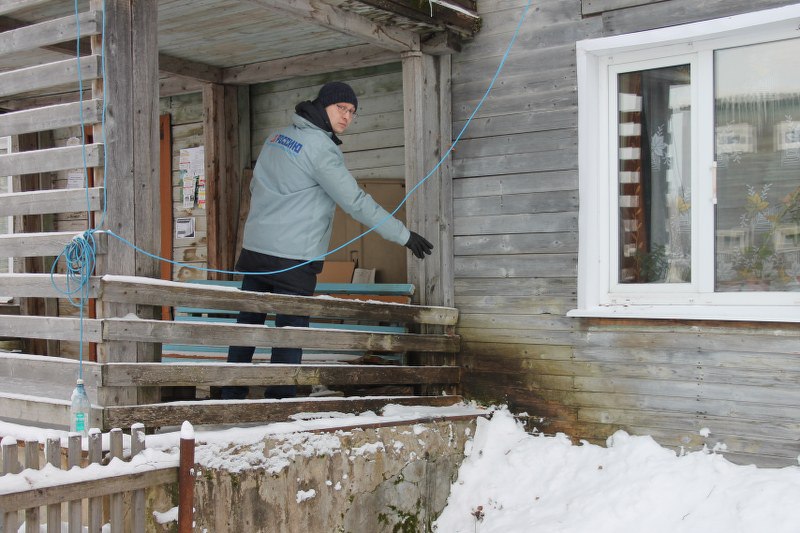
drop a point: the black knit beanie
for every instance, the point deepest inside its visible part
(335, 92)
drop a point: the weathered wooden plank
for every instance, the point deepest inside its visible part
(310, 64)
(674, 12)
(48, 369)
(516, 266)
(541, 182)
(34, 409)
(50, 32)
(514, 204)
(50, 75)
(51, 159)
(520, 243)
(143, 291)
(103, 484)
(517, 305)
(43, 244)
(115, 329)
(195, 374)
(516, 163)
(10, 6)
(518, 223)
(325, 15)
(51, 201)
(217, 412)
(562, 286)
(39, 285)
(51, 117)
(46, 327)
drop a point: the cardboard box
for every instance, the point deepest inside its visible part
(337, 272)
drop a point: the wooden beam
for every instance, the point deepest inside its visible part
(176, 85)
(197, 374)
(51, 201)
(102, 484)
(51, 159)
(333, 18)
(9, 6)
(123, 289)
(51, 32)
(157, 331)
(43, 327)
(40, 285)
(43, 244)
(433, 14)
(363, 55)
(189, 69)
(49, 75)
(51, 117)
(217, 412)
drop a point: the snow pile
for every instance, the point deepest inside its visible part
(513, 482)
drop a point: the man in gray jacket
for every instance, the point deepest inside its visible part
(298, 180)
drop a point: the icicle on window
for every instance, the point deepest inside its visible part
(654, 181)
(757, 153)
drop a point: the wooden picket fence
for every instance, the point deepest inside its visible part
(104, 493)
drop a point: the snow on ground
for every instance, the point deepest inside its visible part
(515, 482)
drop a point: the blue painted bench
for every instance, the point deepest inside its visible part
(384, 292)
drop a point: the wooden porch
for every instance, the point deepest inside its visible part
(100, 68)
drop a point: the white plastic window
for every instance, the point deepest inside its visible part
(690, 171)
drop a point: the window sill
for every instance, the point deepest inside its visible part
(692, 312)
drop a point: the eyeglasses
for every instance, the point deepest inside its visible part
(346, 110)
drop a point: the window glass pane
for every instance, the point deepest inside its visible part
(654, 182)
(757, 126)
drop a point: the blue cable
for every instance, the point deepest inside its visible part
(386, 218)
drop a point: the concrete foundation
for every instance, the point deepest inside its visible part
(392, 479)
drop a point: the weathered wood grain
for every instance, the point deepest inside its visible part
(50, 32)
(43, 244)
(44, 327)
(103, 484)
(196, 374)
(49, 75)
(51, 201)
(51, 117)
(117, 289)
(216, 412)
(115, 329)
(51, 159)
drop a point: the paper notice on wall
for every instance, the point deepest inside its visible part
(192, 168)
(189, 184)
(75, 179)
(184, 228)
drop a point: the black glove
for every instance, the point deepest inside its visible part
(418, 245)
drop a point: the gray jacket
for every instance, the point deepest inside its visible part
(298, 179)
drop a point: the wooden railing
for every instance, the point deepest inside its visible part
(22, 495)
(115, 380)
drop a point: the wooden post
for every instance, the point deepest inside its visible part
(52, 452)
(131, 147)
(74, 507)
(428, 134)
(138, 504)
(32, 462)
(186, 480)
(116, 502)
(95, 504)
(10, 466)
(223, 174)
(427, 119)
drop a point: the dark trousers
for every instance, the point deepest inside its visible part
(299, 281)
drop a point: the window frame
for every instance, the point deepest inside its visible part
(599, 61)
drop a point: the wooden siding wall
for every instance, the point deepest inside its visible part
(516, 221)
